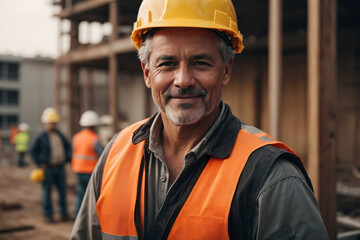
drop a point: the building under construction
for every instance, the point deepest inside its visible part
(298, 79)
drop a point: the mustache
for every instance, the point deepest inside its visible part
(179, 92)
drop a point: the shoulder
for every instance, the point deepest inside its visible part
(98, 171)
(41, 135)
(283, 170)
(265, 167)
(286, 199)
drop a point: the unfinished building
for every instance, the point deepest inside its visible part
(298, 77)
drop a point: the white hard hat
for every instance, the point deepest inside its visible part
(50, 115)
(89, 119)
(23, 127)
(106, 119)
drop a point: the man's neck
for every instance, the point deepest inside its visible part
(178, 140)
(182, 138)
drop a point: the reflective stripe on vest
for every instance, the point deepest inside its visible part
(206, 211)
(106, 236)
(84, 157)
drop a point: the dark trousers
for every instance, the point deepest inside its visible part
(54, 176)
(83, 180)
(21, 159)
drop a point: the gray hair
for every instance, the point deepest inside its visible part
(227, 52)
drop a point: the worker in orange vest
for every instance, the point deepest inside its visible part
(86, 151)
(193, 170)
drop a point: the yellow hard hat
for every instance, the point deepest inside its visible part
(50, 115)
(211, 14)
(37, 175)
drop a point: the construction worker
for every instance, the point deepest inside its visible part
(86, 151)
(194, 170)
(22, 140)
(105, 129)
(50, 150)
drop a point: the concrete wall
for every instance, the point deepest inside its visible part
(36, 91)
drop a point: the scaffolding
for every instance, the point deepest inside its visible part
(71, 98)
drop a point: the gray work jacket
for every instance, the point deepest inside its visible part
(273, 199)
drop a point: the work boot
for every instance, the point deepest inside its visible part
(49, 220)
(66, 218)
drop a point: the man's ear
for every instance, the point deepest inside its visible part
(146, 73)
(227, 71)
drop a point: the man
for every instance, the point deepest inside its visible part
(22, 140)
(105, 129)
(193, 170)
(50, 150)
(86, 151)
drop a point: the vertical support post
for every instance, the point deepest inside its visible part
(73, 88)
(113, 91)
(313, 56)
(275, 65)
(74, 34)
(321, 106)
(258, 81)
(89, 89)
(113, 15)
(57, 99)
(113, 64)
(68, 102)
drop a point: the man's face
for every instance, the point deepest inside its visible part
(50, 126)
(186, 73)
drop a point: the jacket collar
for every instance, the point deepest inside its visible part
(221, 142)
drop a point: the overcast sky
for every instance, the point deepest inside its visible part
(28, 28)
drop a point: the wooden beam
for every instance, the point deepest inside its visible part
(57, 99)
(348, 221)
(74, 35)
(96, 52)
(321, 106)
(113, 65)
(313, 92)
(275, 65)
(327, 123)
(74, 96)
(89, 89)
(113, 91)
(114, 20)
(69, 113)
(82, 7)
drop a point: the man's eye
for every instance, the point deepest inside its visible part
(201, 63)
(166, 64)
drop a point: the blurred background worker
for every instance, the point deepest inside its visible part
(86, 151)
(50, 150)
(105, 129)
(22, 140)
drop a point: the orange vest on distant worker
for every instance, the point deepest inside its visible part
(84, 157)
(205, 213)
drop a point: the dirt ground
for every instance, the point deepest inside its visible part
(21, 215)
(20, 205)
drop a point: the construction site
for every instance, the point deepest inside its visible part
(298, 79)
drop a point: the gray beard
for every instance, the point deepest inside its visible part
(182, 119)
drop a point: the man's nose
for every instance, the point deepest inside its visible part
(184, 77)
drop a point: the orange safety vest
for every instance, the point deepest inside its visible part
(206, 211)
(84, 157)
